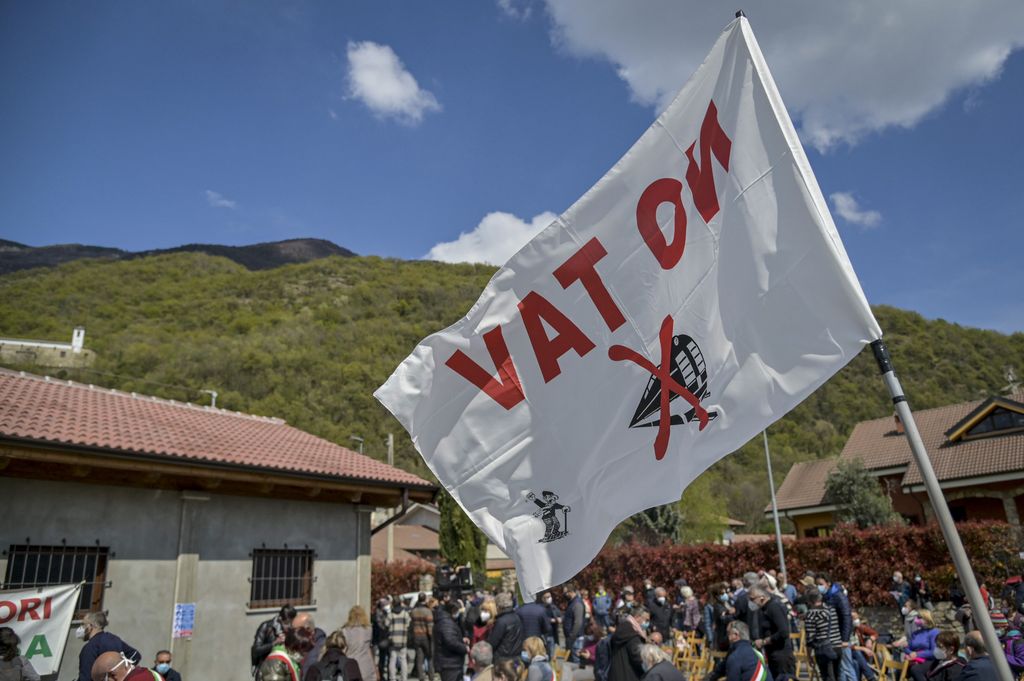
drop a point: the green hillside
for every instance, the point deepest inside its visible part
(310, 342)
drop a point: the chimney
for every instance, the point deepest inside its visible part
(77, 339)
(899, 424)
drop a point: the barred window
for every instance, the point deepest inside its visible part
(281, 577)
(30, 566)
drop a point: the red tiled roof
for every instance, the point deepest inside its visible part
(804, 485)
(50, 410)
(877, 444)
(408, 538)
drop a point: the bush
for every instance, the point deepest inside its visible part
(397, 577)
(863, 560)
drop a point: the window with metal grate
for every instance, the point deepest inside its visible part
(31, 565)
(281, 577)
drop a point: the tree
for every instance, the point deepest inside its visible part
(858, 496)
(461, 542)
(656, 525)
(702, 512)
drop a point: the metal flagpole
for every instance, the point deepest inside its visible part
(775, 507)
(942, 515)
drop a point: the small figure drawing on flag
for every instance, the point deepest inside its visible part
(548, 512)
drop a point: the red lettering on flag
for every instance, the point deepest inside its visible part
(534, 308)
(619, 353)
(665, 190)
(701, 180)
(504, 388)
(11, 609)
(581, 267)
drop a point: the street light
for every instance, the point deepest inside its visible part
(359, 440)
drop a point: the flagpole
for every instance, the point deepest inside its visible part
(942, 514)
(775, 506)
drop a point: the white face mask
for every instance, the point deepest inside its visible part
(124, 661)
(80, 632)
(484, 616)
(940, 654)
(856, 623)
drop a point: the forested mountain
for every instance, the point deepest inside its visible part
(15, 256)
(310, 342)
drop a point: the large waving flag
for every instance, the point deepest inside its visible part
(693, 296)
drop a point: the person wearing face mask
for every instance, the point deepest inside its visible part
(115, 666)
(162, 666)
(657, 665)
(602, 606)
(484, 621)
(899, 588)
(450, 648)
(661, 613)
(834, 594)
(284, 663)
(723, 613)
(690, 609)
(99, 641)
(554, 619)
(774, 637)
(629, 636)
(744, 662)
(506, 638)
(920, 648)
(948, 665)
(534, 656)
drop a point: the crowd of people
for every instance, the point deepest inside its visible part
(624, 634)
(633, 634)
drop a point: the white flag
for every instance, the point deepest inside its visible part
(41, 618)
(693, 296)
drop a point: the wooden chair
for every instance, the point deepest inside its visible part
(891, 665)
(561, 655)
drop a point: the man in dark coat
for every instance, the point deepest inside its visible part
(450, 648)
(269, 634)
(506, 637)
(421, 635)
(835, 595)
(741, 602)
(661, 614)
(743, 663)
(534, 617)
(573, 621)
(980, 667)
(629, 636)
(775, 633)
(98, 642)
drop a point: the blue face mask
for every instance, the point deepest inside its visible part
(163, 668)
(526, 656)
(822, 589)
(724, 598)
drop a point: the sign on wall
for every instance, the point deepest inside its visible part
(41, 617)
(184, 620)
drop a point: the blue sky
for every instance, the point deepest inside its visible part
(391, 128)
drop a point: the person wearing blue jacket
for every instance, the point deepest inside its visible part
(535, 619)
(920, 648)
(99, 641)
(979, 667)
(743, 663)
(834, 594)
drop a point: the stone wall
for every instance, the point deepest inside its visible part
(889, 620)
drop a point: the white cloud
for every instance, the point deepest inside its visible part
(377, 78)
(496, 239)
(848, 209)
(516, 9)
(845, 69)
(218, 200)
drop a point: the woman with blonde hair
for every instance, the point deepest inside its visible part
(358, 635)
(334, 660)
(535, 655)
(483, 626)
(920, 648)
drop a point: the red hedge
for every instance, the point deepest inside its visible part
(397, 577)
(863, 560)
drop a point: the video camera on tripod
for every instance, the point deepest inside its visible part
(453, 582)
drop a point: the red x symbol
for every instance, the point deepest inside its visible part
(621, 353)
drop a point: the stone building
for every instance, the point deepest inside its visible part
(976, 448)
(155, 503)
(42, 353)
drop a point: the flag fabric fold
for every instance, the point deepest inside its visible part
(693, 296)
